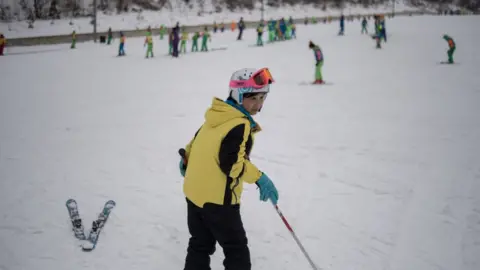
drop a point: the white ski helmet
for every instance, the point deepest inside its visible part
(243, 75)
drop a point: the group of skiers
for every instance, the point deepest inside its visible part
(178, 37)
(177, 41)
(278, 30)
(173, 41)
(379, 36)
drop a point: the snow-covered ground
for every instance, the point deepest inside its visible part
(378, 171)
(133, 21)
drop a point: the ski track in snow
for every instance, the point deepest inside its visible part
(379, 171)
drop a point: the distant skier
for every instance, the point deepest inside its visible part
(271, 30)
(109, 36)
(342, 25)
(294, 30)
(383, 30)
(288, 32)
(3, 43)
(364, 26)
(205, 38)
(195, 42)
(183, 43)
(121, 48)
(259, 35)
(241, 27)
(149, 44)
(74, 40)
(451, 48)
(318, 62)
(376, 24)
(278, 31)
(163, 31)
(283, 28)
(176, 39)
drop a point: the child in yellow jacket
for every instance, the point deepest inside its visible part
(183, 43)
(149, 44)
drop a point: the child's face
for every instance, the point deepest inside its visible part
(254, 103)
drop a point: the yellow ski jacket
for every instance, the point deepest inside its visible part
(218, 157)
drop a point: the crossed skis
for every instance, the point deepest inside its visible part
(89, 242)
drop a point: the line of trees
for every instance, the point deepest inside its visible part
(54, 9)
(51, 9)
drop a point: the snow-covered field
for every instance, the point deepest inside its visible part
(133, 21)
(378, 171)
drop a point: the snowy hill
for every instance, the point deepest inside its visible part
(378, 171)
(185, 15)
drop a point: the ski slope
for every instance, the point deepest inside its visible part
(378, 171)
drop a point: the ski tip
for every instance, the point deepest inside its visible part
(88, 247)
(70, 201)
(111, 202)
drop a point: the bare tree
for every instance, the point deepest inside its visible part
(339, 4)
(122, 5)
(201, 6)
(38, 6)
(5, 13)
(27, 10)
(53, 10)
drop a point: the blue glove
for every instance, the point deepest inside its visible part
(267, 189)
(182, 168)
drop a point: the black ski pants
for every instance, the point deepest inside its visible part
(216, 223)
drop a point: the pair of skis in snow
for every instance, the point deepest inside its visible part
(88, 242)
(447, 63)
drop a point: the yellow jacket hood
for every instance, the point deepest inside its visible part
(221, 112)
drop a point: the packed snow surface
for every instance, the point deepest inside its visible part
(380, 170)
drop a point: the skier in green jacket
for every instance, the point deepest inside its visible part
(205, 38)
(451, 48)
(109, 36)
(318, 62)
(195, 42)
(74, 40)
